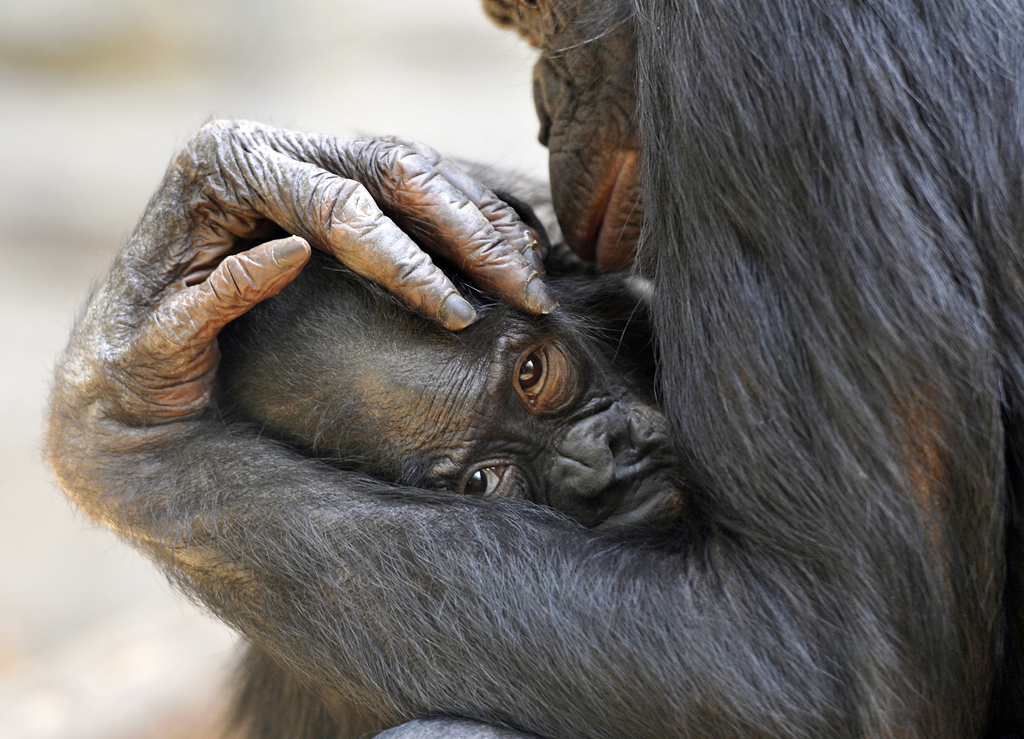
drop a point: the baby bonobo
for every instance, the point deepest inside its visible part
(556, 409)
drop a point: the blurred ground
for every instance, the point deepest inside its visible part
(95, 97)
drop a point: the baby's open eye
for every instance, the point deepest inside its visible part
(531, 373)
(489, 481)
(544, 379)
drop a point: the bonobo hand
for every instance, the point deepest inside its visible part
(186, 272)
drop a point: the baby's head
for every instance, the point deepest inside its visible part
(540, 408)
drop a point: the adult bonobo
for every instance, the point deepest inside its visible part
(833, 222)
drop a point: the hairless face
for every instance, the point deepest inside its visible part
(583, 86)
(516, 406)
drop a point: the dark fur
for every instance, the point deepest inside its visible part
(869, 282)
(834, 225)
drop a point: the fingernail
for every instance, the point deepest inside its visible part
(537, 297)
(456, 312)
(290, 253)
(533, 257)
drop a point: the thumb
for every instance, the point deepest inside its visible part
(176, 355)
(191, 318)
(243, 280)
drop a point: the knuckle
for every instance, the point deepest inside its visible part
(344, 203)
(356, 194)
(238, 283)
(209, 137)
(412, 268)
(431, 154)
(422, 177)
(204, 153)
(428, 153)
(399, 161)
(393, 165)
(375, 151)
(409, 163)
(417, 280)
(216, 129)
(490, 249)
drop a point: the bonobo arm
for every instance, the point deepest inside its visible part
(500, 612)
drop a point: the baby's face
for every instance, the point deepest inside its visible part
(515, 406)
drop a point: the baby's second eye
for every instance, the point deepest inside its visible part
(484, 481)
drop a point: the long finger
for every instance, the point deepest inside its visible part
(339, 216)
(433, 209)
(284, 176)
(503, 218)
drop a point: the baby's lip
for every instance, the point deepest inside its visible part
(652, 495)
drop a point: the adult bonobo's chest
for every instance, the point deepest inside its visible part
(555, 409)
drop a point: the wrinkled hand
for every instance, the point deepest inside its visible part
(191, 266)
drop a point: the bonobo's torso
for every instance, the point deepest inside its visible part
(556, 410)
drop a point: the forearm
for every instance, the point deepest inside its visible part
(421, 608)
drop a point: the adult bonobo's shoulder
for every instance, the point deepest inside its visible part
(553, 409)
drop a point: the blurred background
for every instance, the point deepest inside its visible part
(95, 98)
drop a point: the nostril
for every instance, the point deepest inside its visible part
(639, 433)
(623, 444)
(647, 429)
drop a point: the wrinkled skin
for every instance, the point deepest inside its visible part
(556, 410)
(586, 104)
(832, 221)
